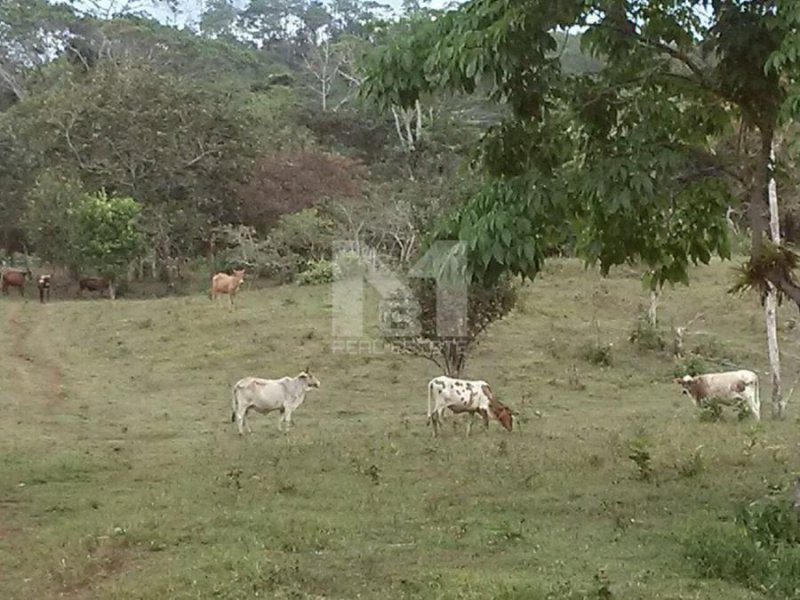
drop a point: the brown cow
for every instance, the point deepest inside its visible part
(223, 283)
(15, 279)
(93, 284)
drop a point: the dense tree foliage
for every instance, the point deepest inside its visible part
(621, 160)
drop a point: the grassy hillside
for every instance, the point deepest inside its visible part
(122, 477)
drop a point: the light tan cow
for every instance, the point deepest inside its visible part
(222, 283)
(729, 386)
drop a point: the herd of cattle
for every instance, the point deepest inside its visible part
(14, 278)
(458, 396)
(471, 397)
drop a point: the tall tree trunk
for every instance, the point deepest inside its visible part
(771, 301)
(418, 107)
(652, 310)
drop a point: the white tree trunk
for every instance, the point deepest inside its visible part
(652, 310)
(770, 308)
(418, 106)
(398, 127)
(407, 117)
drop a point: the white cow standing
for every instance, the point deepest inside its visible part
(266, 395)
(739, 385)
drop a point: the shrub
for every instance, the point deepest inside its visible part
(598, 353)
(647, 337)
(297, 239)
(771, 523)
(349, 263)
(409, 321)
(694, 365)
(692, 466)
(305, 233)
(320, 271)
(53, 239)
(714, 350)
(641, 458)
(710, 412)
(758, 548)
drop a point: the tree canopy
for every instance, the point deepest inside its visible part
(622, 160)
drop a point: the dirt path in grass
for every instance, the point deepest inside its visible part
(31, 357)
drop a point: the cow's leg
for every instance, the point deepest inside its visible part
(435, 422)
(470, 418)
(753, 404)
(240, 417)
(244, 422)
(286, 418)
(485, 417)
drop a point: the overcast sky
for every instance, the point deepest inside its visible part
(190, 10)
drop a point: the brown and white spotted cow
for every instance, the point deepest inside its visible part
(463, 396)
(43, 283)
(731, 386)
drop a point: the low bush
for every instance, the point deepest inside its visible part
(647, 337)
(598, 353)
(320, 271)
(693, 365)
(758, 548)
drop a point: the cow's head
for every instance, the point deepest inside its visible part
(239, 274)
(500, 411)
(687, 383)
(308, 379)
(505, 417)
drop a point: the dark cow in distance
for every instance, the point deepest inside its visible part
(14, 279)
(93, 284)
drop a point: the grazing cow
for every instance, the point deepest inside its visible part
(266, 395)
(223, 283)
(43, 284)
(730, 386)
(14, 279)
(93, 284)
(462, 396)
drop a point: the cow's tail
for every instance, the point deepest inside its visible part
(757, 399)
(233, 406)
(430, 403)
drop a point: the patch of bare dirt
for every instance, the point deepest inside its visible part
(31, 358)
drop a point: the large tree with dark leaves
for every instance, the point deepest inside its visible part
(181, 149)
(620, 160)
